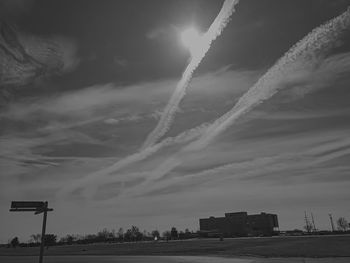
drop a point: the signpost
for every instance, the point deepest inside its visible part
(38, 207)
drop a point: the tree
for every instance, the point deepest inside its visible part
(146, 235)
(90, 238)
(174, 233)
(68, 239)
(36, 238)
(128, 235)
(136, 234)
(50, 240)
(188, 234)
(166, 235)
(15, 242)
(308, 226)
(121, 234)
(133, 234)
(342, 224)
(155, 234)
(103, 235)
(113, 234)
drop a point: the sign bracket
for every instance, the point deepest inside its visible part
(37, 207)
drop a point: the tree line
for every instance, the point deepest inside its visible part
(342, 225)
(133, 234)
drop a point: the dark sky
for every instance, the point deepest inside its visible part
(84, 82)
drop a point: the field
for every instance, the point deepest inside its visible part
(164, 259)
(306, 247)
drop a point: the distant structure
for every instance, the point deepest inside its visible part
(239, 224)
(332, 224)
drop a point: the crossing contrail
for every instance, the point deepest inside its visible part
(149, 146)
(319, 41)
(94, 178)
(199, 53)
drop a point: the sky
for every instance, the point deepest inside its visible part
(84, 83)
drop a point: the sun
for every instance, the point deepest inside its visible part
(191, 39)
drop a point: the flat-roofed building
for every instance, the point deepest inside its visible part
(240, 224)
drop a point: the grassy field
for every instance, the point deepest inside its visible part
(313, 246)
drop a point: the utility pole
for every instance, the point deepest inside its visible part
(43, 229)
(332, 224)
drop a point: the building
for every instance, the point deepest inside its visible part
(239, 224)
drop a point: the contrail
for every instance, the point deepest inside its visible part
(319, 41)
(186, 136)
(314, 155)
(169, 112)
(167, 117)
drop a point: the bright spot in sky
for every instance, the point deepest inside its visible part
(191, 39)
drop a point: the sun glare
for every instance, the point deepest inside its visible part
(191, 39)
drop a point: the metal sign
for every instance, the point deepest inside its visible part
(27, 204)
(38, 207)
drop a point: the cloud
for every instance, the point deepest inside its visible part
(285, 124)
(108, 118)
(128, 102)
(197, 55)
(228, 86)
(13, 9)
(119, 116)
(161, 32)
(120, 62)
(25, 59)
(202, 88)
(128, 118)
(111, 121)
(315, 45)
(297, 158)
(69, 53)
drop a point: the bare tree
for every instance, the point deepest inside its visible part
(308, 226)
(36, 238)
(342, 224)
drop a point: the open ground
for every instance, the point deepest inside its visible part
(291, 249)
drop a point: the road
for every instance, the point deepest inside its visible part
(164, 259)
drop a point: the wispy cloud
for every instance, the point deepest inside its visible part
(81, 137)
(311, 79)
(76, 124)
(26, 59)
(317, 43)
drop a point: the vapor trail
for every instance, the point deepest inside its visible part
(318, 42)
(170, 110)
(186, 136)
(149, 147)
